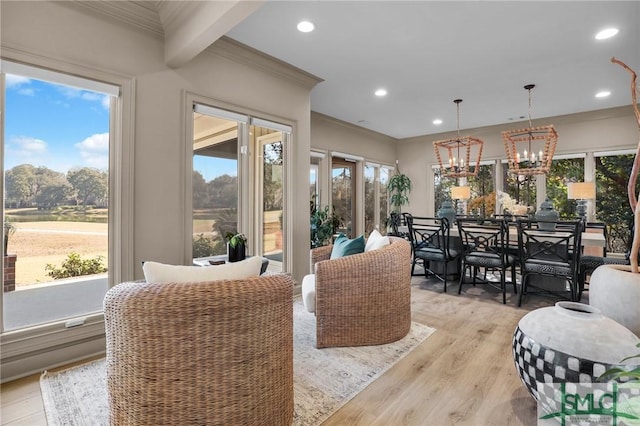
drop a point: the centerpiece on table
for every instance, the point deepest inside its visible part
(509, 206)
(236, 246)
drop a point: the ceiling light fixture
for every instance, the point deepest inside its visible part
(305, 26)
(542, 139)
(606, 33)
(437, 122)
(459, 165)
(603, 94)
(380, 93)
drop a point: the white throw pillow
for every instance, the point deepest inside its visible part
(155, 272)
(376, 241)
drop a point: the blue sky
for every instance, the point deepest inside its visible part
(56, 126)
(61, 127)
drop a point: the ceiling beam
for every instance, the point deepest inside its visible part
(190, 27)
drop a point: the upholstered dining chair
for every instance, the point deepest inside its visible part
(552, 254)
(431, 243)
(486, 245)
(215, 353)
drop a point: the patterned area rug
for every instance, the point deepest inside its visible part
(324, 379)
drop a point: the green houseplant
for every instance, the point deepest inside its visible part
(398, 187)
(237, 246)
(323, 224)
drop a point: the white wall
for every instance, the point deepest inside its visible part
(235, 76)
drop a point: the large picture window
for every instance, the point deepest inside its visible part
(56, 195)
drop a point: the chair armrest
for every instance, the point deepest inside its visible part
(319, 254)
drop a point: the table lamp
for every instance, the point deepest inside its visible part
(581, 191)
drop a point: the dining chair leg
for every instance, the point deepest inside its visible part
(523, 289)
(462, 275)
(503, 285)
(513, 279)
(445, 276)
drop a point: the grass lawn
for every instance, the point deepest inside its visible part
(39, 243)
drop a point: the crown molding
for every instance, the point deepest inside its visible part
(241, 53)
(140, 14)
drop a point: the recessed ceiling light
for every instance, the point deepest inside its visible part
(305, 26)
(437, 121)
(380, 92)
(603, 94)
(606, 33)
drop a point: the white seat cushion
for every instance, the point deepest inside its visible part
(309, 292)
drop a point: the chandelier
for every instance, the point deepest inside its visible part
(459, 152)
(537, 144)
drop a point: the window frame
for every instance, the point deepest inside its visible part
(25, 350)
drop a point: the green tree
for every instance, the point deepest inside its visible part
(612, 204)
(90, 185)
(54, 195)
(223, 192)
(200, 192)
(561, 174)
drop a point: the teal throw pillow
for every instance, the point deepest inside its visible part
(343, 246)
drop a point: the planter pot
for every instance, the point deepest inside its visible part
(237, 253)
(567, 343)
(616, 292)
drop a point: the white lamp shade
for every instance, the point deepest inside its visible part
(460, 193)
(581, 191)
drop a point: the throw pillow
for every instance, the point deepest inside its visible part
(375, 241)
(155, 272)
(343, 246)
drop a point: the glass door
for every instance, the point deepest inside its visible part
(270, 146)
(343, 193)
(215, 183)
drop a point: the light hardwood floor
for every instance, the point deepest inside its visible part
(463, 374)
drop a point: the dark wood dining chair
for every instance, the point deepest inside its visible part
(486, 245)
(552, 254)
(430, 243)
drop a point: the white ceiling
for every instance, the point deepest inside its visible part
(428, 53)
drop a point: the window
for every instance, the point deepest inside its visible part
(376, 203)
(57, 195)
(563, 171)
(483, 196)
(442, 188)
(520, 188)
(215, 181)
(343, 193)
(612, 202)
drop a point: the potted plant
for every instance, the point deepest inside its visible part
(398, 187)
(615, 289)
(323, 224)
(236, 246)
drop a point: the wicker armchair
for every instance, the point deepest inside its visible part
(363, 299)
(201, 353)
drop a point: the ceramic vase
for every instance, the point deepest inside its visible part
(568, 343)
(237, 253)
(446, 210)
(616, 292)
(547, 216)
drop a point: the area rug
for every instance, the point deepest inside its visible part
(324, 379)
